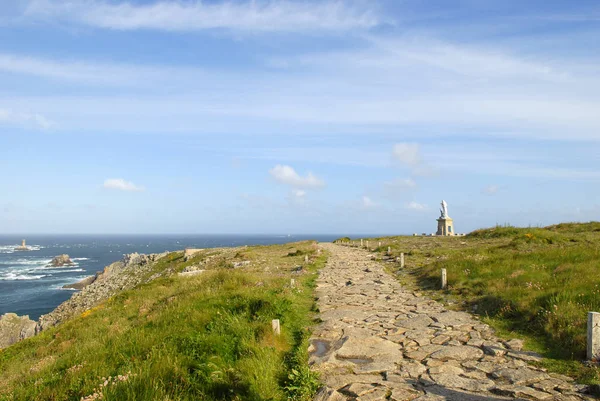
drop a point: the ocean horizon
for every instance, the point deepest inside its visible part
(29, 286)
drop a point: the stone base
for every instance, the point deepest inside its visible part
(445, 227)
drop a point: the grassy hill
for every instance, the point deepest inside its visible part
(203, 337)
(209, 336)
(533, 283)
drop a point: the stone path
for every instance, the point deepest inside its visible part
(378, 341)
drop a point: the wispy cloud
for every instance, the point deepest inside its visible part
(399, 188)
(490, 190)
(299, 193)
(121, 185)
(93, 72)
(287, 175)
(8, 116)
(401, 183)
(416, 206)
(250, 16)
(368, 203)
(435, 86)
(407, 153)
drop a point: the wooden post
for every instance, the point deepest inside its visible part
(379, 244)
(389, 250)
(402, 259)
(593, 335)
(361, 243)
(276, 326)
(444, 279)
(293, 283)
(305, 258)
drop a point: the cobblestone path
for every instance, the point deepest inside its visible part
(379, 341)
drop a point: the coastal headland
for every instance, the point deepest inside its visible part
(354, 322)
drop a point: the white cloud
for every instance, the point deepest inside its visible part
(407, 153)
(251, 16)
(299, 193)
(410, 154)
(368, 203)
(297, 197)
(121, 185)
(287, 175)
(416, 206)
(491, 189)
(8, 116)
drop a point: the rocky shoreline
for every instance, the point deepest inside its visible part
(132, 270)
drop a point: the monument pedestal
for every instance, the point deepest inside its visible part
(445, 226)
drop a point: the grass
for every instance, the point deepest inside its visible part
(534, 283)
(204, 337)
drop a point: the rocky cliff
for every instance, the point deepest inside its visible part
(14, 328)
(122, 275)
(125, 274)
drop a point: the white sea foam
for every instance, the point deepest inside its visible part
(15, 276)
(64, 271)
(75, 259)
(50, 267)
(30, 262)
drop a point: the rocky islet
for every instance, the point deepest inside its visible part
(61, 260)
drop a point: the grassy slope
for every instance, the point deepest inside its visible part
(204, 337)
(533, 283)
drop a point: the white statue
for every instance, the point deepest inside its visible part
(444, 210)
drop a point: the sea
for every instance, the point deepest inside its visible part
(29, 286)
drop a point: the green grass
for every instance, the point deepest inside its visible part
(533, 283)
(205, 337)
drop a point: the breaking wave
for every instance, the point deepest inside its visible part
(64, 271)
(15, 276)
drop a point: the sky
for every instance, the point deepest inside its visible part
(308, 117)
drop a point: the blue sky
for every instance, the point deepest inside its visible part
(297, 117)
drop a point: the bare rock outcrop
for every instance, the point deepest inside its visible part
(125, 274)
(61, 260)
(80, 285)
(14, 328)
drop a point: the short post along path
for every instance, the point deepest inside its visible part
(379, 341)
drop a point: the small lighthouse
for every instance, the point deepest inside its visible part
(23, 247)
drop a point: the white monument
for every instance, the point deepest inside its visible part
(445, 222)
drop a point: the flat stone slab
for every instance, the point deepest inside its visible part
(380, 341)
(520, 376)
(451, 380)
(457, 353)
(416, 322)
